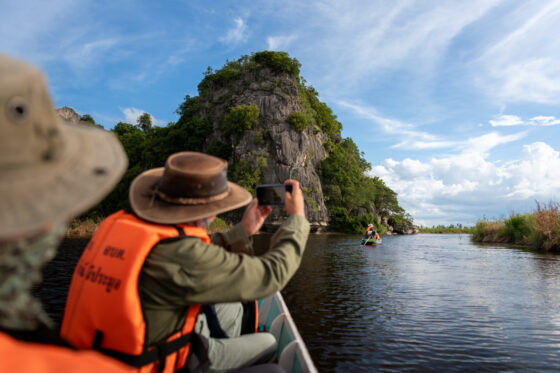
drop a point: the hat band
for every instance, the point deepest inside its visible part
(188, 200)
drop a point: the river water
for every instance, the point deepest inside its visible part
(421, 303)
(427, 303)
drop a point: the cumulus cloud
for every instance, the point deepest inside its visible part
(131, 116)
(237, 34)
(468, 186)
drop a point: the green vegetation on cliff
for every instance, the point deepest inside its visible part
(215, 122)
(538, 230)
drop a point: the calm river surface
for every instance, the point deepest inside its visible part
(422, 303)
(427, 303)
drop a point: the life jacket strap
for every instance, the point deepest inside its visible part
(158, 353)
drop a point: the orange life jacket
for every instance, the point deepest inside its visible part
(19, 356)
(104, 309)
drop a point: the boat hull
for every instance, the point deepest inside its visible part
(292, 354)
(371, 241)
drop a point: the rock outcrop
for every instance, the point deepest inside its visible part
(69, 114)
(273, 149)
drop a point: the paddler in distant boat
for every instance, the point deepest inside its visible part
(372, 233)
(50, 172)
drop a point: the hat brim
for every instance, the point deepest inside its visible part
(153, 209)
(51, 192)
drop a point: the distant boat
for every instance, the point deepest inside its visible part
(371, 241)
(292, 354)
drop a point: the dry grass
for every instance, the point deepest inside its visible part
(546, 220)
(85, 228)
(82, 228)
(490, 231)
(539, 230)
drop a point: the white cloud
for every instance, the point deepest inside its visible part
(506, 120)
(89, 52)
(280, 43)
(390, 125)
(131, 116)
(364, 39)
(514, 120)
(544, 121)
(523, 66)
(468, 186)
(235, 35)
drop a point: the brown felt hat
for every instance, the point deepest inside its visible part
(50, 171)
(191, 186)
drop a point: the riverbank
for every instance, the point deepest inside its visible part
(539, 230)
(442, 229)
(85, 228)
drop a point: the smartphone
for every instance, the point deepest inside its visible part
(272, 194)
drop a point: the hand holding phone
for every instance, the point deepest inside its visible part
(272, 194)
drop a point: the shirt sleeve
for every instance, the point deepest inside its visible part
(190, 272)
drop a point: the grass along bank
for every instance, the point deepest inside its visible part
(539, 230)
(86, 227)
(443, 229)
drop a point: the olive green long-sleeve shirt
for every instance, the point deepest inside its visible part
(187, 271)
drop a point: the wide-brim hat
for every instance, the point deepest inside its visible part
(50, 170)
(190, 187)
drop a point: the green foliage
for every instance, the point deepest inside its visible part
(517, 227)
(446, 229)
(132, 139)
(277, 61)
(341, 220)
(539, 230)
(239, 119)
(219, 149)
(348, 190)
(88, 119)
(218, 225)
(319, 114)
(298, 121)
(248, 172)
(144, 121)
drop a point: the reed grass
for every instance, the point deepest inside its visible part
(538, 230)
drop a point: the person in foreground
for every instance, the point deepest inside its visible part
(49, 172)
(137, 290)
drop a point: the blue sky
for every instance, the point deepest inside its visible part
(455, 104)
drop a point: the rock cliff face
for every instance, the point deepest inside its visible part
(68, 114)
(271, 149)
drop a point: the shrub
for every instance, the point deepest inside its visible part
(298, 121)
(218, 225)
(547, 224)
(517, 227)
(241, 118)
(277, 61)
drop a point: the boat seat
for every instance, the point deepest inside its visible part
(291, 358)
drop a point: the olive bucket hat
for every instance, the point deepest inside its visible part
(50, 170)
(190, 187)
